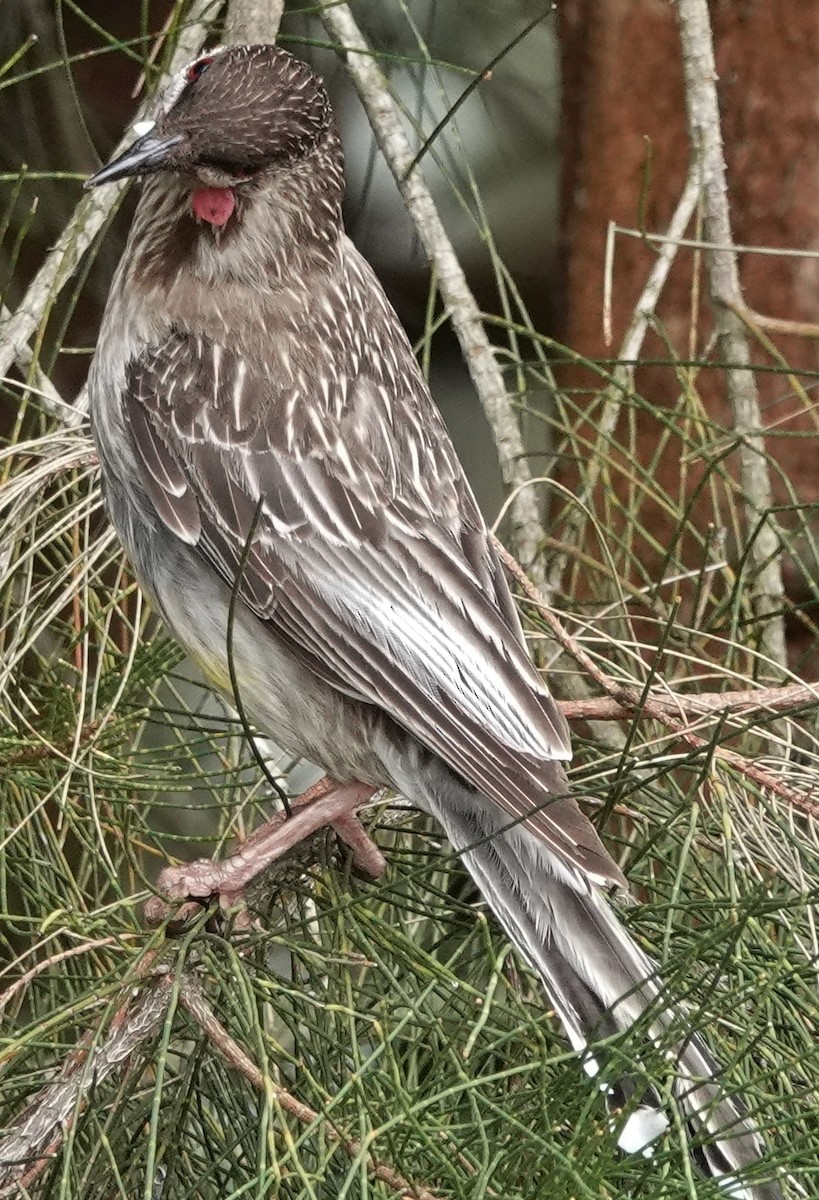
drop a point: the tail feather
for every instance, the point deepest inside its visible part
(600, 983)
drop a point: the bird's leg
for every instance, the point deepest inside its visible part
(326, 803)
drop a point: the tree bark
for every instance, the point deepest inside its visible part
(626, 158)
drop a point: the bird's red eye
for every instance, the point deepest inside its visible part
(198, 68)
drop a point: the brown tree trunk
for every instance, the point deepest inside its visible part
(626, 158)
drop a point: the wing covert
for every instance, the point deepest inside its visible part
(369, 557)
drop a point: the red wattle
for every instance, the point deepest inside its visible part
(213, 205)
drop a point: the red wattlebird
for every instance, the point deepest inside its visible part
(263, 429)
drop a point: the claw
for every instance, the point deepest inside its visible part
(327, 803)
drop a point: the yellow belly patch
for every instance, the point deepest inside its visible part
(215, 671)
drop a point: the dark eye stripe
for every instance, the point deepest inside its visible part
(237, 170)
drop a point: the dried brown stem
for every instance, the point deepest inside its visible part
(635, 701)
(193, 1000)
(705, 704)
(745, 702)
(21, 983)
(806, 329)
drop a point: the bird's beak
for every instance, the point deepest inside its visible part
(148, 153)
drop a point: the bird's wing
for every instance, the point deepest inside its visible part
(364, 548)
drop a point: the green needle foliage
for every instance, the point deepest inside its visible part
(391, 1024)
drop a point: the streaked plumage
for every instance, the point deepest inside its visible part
(255, 371)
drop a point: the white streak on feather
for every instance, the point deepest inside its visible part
(340, 396)
(343, 456)
(318, 425)
(238, 390)
(412, 446)
(289, 420)
(217, 366)
(386, 400)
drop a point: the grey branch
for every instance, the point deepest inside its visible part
(384, 116)
(726, 295)
(50, 399)
(253, 20)
(28, 1147)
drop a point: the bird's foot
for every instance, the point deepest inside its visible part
(326, 803)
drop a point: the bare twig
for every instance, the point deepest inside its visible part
(384, 116)
(623, 374)
(806, 329)
(193, 1000)
(767, 590)
(795, 696)
(645, 235)
(253, 20)
(636, 701)
(21, 983)
(38, 381)
(646, 305)
(88, 218)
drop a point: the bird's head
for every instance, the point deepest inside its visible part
(236, 121)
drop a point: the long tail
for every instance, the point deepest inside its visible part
(600, 983)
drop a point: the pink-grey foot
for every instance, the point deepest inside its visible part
(326, 803)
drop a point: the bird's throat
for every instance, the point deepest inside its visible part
(214, 205)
